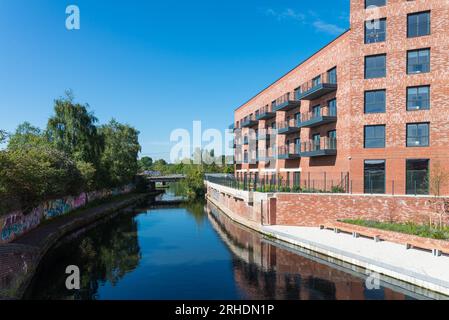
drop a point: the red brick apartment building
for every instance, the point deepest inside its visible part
(369, 112)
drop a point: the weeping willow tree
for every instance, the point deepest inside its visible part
(72, 130)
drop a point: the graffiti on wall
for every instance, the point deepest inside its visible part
(17, 223)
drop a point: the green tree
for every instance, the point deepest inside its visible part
(121, 148)
(33, 174)
(145, 163)
(27, 136)
(3, 135)
(72, 130)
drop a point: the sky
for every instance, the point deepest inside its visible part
(156, 65)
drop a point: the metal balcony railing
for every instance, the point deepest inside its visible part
(325, 146)
(318, 117)
(318, 86)
(285, 103)
(265, 113)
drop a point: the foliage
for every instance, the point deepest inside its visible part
(27, 136)
(145, 164)
(32, 174)
(121, 148)
(407, 228)
(3, 136)
(70, 156)
(72, 130)
(438, 179)
(194, 182)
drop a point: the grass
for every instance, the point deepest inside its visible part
(425, 231)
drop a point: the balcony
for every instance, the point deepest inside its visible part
(288, 127)
(248, 122)
(318, 87)
(318, 118)
(319, 148)
(266, 134)
(265, 113)
(288, 152)
(285, 103)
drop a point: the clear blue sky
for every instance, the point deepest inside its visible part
(157, 65)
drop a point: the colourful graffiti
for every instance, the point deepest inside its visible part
(16, 224)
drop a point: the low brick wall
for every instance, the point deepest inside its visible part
(16, 224)
(315, 209)
(396, 237)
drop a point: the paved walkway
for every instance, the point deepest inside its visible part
(413, 266)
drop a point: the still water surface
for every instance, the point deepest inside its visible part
(192, 252)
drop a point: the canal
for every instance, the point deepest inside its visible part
(192, 252)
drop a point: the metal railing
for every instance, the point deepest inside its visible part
(325, 77)
(322, 112)
(292, 123)
(324, 143)
(264, 110)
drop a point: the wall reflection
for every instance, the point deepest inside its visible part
(265, 271)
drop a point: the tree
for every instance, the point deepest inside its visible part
(438, 179)
(27, 136)
(33, 174)
(3, 136)
(72, 130)
(121, 148)
(145, 163)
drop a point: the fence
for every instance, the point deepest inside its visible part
(325, 184)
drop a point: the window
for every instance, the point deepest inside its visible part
(375, 3)
(374, 137)
(418, 61)
(297, 94)
(332, 135)
(375, 101)
(418, 98)
(374, 176)
(417, 177)
(332, 107)
(297, 146)
(418, 24)
(316, 111)
(316, 142)
(332, 76)
(375, 66)
(375, 31)
(418, 135)
(296, 179)
(297, 118)
(316, 81)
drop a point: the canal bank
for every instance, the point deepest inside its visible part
(412, 269)
(171, 253)
(20, 259)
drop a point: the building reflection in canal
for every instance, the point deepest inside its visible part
(264, 270)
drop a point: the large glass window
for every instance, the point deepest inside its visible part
(375, 3)
(316, 111)
(375, 66)
(332, 136)
(375, 31)
(418, 135)
(374, 176)
(418, 24)
(417, 176)
(418, 98)
(332, 104)
(418, 61)
(332, 76)
(374, 137)
(375, 101)
(316, 142)
(316, 81)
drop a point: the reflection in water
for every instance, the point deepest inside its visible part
(192, 252)
(105, 254)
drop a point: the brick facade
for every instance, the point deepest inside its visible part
(347, 53)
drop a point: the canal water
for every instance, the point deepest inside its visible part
(193, 252)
